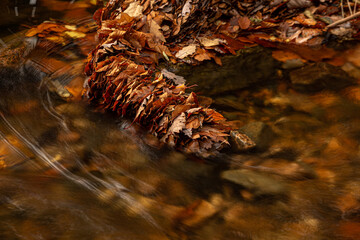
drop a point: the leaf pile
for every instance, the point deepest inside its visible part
(133, 38)
(136, 35)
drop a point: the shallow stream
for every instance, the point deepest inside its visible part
(70, 171)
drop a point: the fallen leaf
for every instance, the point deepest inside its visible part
(155, 30)
(186, 51)
(244, 22)
(134, 10)
(299, 4)
(202, 55)
(178, 80)
(208, 42)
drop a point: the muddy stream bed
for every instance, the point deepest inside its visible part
(69, 171)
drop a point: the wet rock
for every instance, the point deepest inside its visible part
(293, 63)
(257, 183)
(240, 142)
(290, 170)
(234, 115)
(260, 133)
(230, 102)
(320, 76)
(237, 72)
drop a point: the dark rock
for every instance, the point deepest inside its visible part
(258, 183)
(260, 133)
(230, 102)
(237, 72)
(318, 76)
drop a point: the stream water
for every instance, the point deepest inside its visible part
(69, 171)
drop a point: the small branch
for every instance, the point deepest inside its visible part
(350, 10)
(343, 20)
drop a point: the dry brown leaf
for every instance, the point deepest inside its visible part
(134, 10)
(244, 22)
(202, 55)
(208, 42)
(155, 29)
(186, 51)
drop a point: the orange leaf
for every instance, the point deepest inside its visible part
(244, 22)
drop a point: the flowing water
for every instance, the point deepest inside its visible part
(69, 171)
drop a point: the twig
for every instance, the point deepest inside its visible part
(342, 8)
(355, 6)
(350, 10)
(343, 20)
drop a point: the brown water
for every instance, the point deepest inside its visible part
(68, 171)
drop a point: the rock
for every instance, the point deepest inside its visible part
(318, 76)
(240, 142)
(257, 183)
(237, 72)
(230, 102)
(260, 133)
(290, 170)
(293, 63)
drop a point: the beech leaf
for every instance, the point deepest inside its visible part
(134, 10)
(178, 80)
(186, 51)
